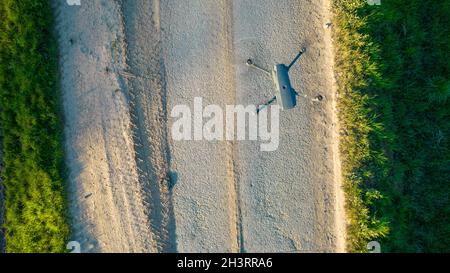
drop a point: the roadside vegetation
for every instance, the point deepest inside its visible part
(35, 213)
(393, 72)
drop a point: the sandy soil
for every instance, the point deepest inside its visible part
(126, 63)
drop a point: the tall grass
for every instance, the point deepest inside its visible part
(393, 67)
(35, 219)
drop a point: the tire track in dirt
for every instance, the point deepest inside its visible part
(106, 201)
(231, 154)
(145, 79)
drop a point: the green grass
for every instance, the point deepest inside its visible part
(35, 217)
(393, 67)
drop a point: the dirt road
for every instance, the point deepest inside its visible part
(288, 201)
(126, 64)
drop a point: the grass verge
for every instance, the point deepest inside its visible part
(35, 213)
(393, 73)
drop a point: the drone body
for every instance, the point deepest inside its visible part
(285, 94)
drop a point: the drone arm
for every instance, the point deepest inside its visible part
(299, 95)
(296, 58)
(261, 107)
(251, 64)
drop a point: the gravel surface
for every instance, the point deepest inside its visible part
(126, 63)
(287, 196)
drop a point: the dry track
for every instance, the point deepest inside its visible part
(126, 63)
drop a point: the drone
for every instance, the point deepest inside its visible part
(286, 96)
